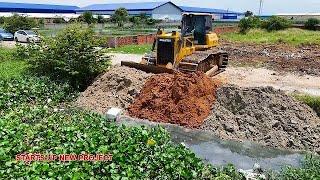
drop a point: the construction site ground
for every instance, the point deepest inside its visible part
(252, 102)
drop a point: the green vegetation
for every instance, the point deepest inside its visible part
(14, 68)
(274, 23)
(312, 101)
(88, 17)
(248, 23)
(31, 122)
(27, 90)
(70, 57)
(291, 36)
(10, 65)
(16, 22)
(131, 49)
(120, 16)
(312, 23)
(310, 169)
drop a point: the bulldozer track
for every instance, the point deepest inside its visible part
(204, 61)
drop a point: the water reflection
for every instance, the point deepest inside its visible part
(220, 152)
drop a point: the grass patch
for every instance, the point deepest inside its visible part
(312, 101)
(131, 49)
(10, 66)
(291, 36)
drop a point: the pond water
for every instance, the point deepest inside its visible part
(221, 152)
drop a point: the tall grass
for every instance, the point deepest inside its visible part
(10, 65)
(291, 36)
(312, 101)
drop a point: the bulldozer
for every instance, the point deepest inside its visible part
(192, 49)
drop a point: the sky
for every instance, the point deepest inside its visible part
(269, 7)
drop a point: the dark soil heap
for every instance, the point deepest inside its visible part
(266, 116)
(183, 99)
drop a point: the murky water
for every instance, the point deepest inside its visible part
(220, 152)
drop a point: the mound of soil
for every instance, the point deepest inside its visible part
(303, 59)
(266, 116)
(183, 99)
(116, 88)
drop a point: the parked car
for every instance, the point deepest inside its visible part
(5, 35)
(26, 36)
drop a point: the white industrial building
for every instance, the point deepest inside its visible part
(158, 10)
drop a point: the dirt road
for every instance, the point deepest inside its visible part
(255, 77)
(117, 58)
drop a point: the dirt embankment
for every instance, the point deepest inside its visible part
(266, 116)
(262, 115)
(116, 88)
(303, 59)
(183, 99)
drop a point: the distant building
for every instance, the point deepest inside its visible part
(37, 11)
(158, 10)
(36, 8)
(218, 14)
(299, 16)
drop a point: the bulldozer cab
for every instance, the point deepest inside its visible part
(197, 25)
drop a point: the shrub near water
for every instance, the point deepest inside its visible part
(138, 152)
(30, 90)
(69, 57)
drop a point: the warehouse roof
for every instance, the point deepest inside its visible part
(39, 8)
(128, 6)
(207, 10)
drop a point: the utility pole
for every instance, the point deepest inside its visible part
(260, 8)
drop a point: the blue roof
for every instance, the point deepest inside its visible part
(128, 6)
(206, 10)
(35, 8)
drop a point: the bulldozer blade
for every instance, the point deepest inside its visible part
(147, 68)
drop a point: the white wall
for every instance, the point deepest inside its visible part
(167, 11)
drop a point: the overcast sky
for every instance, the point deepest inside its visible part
(270, 6)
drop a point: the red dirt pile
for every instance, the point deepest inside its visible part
(184, 99)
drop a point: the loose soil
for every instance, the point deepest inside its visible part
(266, 116)
(183, 99)
(262, 77)
(116, 88)
(303, 59)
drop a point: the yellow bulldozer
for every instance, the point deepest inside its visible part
(191, 50)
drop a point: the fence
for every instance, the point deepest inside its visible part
(149, 38)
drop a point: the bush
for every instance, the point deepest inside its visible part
(137, 152)
(70, 57)
(309, 170)
(88, 17)
(30, 90)
(2, 19)
(100, 19)
(311, 24)
(16, 22)
(248, 23)
(275, 23)
(120, 16)
(59, 21)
